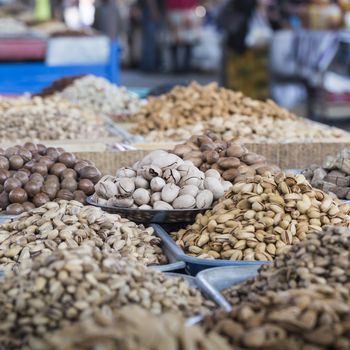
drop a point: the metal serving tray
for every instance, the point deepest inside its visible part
(195, 265)
(4, 218)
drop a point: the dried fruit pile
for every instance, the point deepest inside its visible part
(333, 176)
(161, 181)
(260, 217)
(32, 175)
(131, 328)
(71, 285)
(301, 302)
(230, 159)
(69, 225)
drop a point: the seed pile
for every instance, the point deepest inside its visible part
(301, 302)
(187, 105)
(131, 328)
(35, 119)
(32, 175)
(161, 181)
(230, 159)
(333, 176)
(260, 217)
(247, 129)
(99, 95)
(69, 225)
(58, 85)
(55, 291)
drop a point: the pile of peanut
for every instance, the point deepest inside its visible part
(71, 285)
(187, 105)
(302, 301)
(260, 217)
(68, 225)
(232, 160)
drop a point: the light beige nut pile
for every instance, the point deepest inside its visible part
(187, 105)
(333, 176)
(35, 119)
(261, 217)
(102, 97)
(161, 181)
(71, 285)
(302, 301)
(131, 328)
(69, 224)
(249, 129)
(232, 160)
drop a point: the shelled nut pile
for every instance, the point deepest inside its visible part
(301, 302)
(69, 224)
(186, 105)
(32, 175)
(100, 96)
(24, 119)
(67, 286)
(333, 176)
(253, 129)
(260, 217)
(161, 181)
(231, 160)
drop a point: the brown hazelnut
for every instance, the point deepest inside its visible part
(50, 190)
(16, 162)
(52, 153)
(28, 206)
(4, 163)
(47, 161)
(30, 146)
(40, 199)
(29, 165)
(68, 159)
(57, 169)
(4, 175)
(86, 186)
(25, 154)
(80, 165)
(11, 184)
(80, 196)
(2, 151)
(65, 194)
(69, 184)
(91, 173)
(11, 151)
(32, 188)
(36, 177)
(18, 195)
(24, 170)
(21, 176)
(4, 200)
(41, 149)
(71, 173)
(40, 169)
(15, 209)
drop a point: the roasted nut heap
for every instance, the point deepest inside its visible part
(333, 176)
(261, 217)
(161, 181)
(253, 129)
(24, 119)
(70, 224)
(32, 175)
(131, 328)
(186, 105)
(230, 159)
(301, 302)
(71, 285)
(100, 96)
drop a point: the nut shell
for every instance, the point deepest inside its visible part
(18, 195)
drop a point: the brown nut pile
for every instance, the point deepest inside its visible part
(261, 217)
(67, 286)
(131, 328)
(252, 129)
(32, 175)
(333, 176)
(69, 225)
(186, 105)
(302, 301)
(230, 159)
(161, 181)
(35, 119)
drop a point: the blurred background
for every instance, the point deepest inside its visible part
(295, 52)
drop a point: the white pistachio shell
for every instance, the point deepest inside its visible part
(204, 199)
(157, 184)
(168, 161)
(145, 207)
(156, 197)
(214, 186)
(151, 171)
(151, 157)
(226, 185)
(160, 205)
(184, 168)
(171, 176)
(106, 187)
(213, 173)
(141, 182)
(189, 189)
(141, 196)
(126, 186)
(126, 172)
(121, 202)
(190, 179)
(185, 201)
(170, 192)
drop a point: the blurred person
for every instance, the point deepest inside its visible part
(107, 18)
(183, 32)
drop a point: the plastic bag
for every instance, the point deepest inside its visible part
(260, 32)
